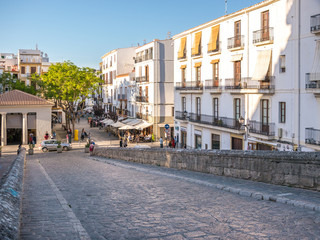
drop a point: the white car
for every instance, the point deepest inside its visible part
(52, 144)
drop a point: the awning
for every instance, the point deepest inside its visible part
(198, 64)
(214, 38)
(262, 142)
(215, 61)
(262, 65)
(118, 124)
(183, 66)
(236, 57)
(127, 127)
(143, 125)
(315, 71)
(134, 122)
(196, 44)
(108, 121)
(182, 47)
(128, 120)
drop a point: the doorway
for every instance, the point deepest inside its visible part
(236, 143)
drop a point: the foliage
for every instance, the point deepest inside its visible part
(87, 145)
(8, 82)
(31, 146)
(59, 144)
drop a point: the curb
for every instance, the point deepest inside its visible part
(10, 199)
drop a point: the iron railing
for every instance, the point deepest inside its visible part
(262, 128)
(265, 34)
(180, 115)
(142, 79)
(312, 80)
(249, 83)
(143, 57)
(199, 52)
(236, 42)
(312, 136)
(213, 84)
(184, 55)
(217, 50)
(315, 23)
(224, 122)
(194, 85)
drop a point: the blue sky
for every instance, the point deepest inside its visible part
(82, 31)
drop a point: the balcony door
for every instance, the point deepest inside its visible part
(237, 34)
(265, 25)
(265, 115)
(198, 108)
(237, 74)
(215, 74)
(198, 76)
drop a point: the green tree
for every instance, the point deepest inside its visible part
(8, 82)
(69, 86)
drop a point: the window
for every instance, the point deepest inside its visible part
(184, 106)
(147, 73)
(197, 141)
(23, 70)
(282, 63)
(183, 76)
(215, 73)
(182, 49)
(237, 73)
(172, 111)
(196, 47)
(213, 45)
(282, 112)
(198, 75)
(215, 141)
(110, 77)
(147, 93)
(265, 111)
(198, 107)
(265, 21)
(216, 108)
(33, 70)
(237, 108)
(237, 33)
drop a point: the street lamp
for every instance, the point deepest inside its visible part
(246, 126)
(185, 114)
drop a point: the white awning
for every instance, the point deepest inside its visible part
(236, 57)
(108, 121)
(262, 142)
(118, 124)
(128, 120)
(262, 65)
(134, 122)
(143, 125)
(315, 71)
(126, 127)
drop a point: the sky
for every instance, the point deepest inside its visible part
(82, 31)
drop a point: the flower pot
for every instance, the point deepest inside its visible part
(59, 150)
(86, 150)
(30, 151)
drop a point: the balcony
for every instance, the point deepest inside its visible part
(248, 85)
(189, 86)
(184, 55)
(315, 24)
(215, 51)
(180, 115)
(213, 85)
(223, 122)
(199, 54)
(142, 99)
(312, 136)
(313, 83)
(263, 36)
(262, 128)
(236, 43)
(143, 58)
(142, 79)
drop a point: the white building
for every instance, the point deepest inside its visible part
(254, 65)
(116, 62)
(154, 98)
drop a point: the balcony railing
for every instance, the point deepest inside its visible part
(315, 23)
(184, 55)
(142, 79)
(213, 84)
(312, 136)
(262, 128)
(194, 85)
(217, 50)
(248, 83)
(216, 121)
(142, 99)
(313, 80)
(199, 52)
(263, 35)
(236, 42)
(144, 57)
(180, 115)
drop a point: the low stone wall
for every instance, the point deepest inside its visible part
(296, 169)
(10, 199)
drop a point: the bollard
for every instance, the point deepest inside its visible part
(76, 135)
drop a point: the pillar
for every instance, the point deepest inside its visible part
(24, 129)
(3, 129)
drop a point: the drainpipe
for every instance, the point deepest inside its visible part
(299, 73)
(247, 95)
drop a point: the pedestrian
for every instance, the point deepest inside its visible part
(91, 148)
(125, 142)
(54, 134)
(19, 149)
(69, 134)
(161, 142)
(82, 134)
(46, 136)
(120, 142)
(173, 143)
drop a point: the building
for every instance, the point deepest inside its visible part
(154, 97)
(21, 115)
(250, 79)
(9, 64)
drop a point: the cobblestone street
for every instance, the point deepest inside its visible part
(73, 196)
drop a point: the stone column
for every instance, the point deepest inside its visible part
(24, 129)
(3, 129)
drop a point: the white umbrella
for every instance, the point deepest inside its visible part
(126, 127)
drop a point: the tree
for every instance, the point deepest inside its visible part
(8, 82)
(69, 86)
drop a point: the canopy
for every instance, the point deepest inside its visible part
(182, 47)
(315, 71)
(128, 120)
(213, 43)
(134, 122)
(126, 127)
(108, 121)
(143, 125)
(196, 43)
(118, 124)
(262, 65)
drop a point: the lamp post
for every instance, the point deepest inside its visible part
(246, 126)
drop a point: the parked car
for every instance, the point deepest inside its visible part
(52, 144)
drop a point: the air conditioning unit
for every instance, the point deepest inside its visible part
(280, 132)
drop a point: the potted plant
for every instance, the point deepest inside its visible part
(86, 148)
(59, 147)
(30, 151)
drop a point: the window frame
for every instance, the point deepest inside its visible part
(282, 112)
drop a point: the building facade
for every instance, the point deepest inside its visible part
(249, 80)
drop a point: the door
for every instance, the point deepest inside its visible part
(183, 139)
(237, 34)
(237, 74)
(236, 143)
(265, 116)
(265, 25)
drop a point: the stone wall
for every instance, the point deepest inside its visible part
(10, 199)
(296, 169)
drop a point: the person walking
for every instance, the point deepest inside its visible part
(69, 132)
(46, 136)
(161, 142)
